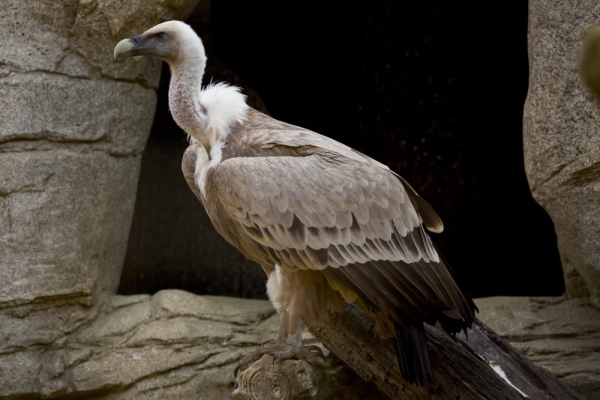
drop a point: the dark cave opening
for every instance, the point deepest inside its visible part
(433, 90)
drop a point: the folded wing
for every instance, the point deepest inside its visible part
(353, 221)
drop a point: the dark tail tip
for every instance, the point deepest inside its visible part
(413, 356)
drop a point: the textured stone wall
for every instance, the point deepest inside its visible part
(562, 138)
(559, 334)
(73, 125)
(72, 128)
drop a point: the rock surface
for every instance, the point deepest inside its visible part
(558, 334)
(173, 345)
(561, 140)
(176, 345)
(73, 125)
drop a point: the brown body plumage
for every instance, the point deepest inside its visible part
(327, 223)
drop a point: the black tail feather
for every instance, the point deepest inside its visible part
(413, 356)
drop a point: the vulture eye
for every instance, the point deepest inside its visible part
(161, 36)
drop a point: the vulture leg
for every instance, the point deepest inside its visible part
(285, 348)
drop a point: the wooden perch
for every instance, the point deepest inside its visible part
(484, 366)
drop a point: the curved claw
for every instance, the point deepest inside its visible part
(316, 351)
(235, 385)
(280, 351)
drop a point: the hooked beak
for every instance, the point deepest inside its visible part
(129, 48)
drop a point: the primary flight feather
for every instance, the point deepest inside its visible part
(327, 224)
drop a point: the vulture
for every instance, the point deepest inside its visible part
(327, 224)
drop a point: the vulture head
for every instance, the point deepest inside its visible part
(171, 41)
(207, 114)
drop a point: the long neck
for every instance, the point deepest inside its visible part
(184, 95)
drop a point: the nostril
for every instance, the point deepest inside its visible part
(137, 40)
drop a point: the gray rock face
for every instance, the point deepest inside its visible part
(62, 231)
(72, 128)
(561, 139)
(73, 125)
(138, 347)
(173, 345)
(558, 334)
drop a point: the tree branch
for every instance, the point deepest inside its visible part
(482, 366)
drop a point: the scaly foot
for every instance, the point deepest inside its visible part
(280, 351)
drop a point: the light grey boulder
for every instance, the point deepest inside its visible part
(73, 125)
(173, 345)
(559, 334)
(72, 129)
(562, 160)
(562, 138)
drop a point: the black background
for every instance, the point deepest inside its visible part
(434, 90)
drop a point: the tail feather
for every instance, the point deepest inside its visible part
(413, 355)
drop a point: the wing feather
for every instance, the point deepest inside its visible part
(355, 221)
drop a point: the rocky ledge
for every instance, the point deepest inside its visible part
(558, 334)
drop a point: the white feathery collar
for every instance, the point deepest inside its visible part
(224, 106)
